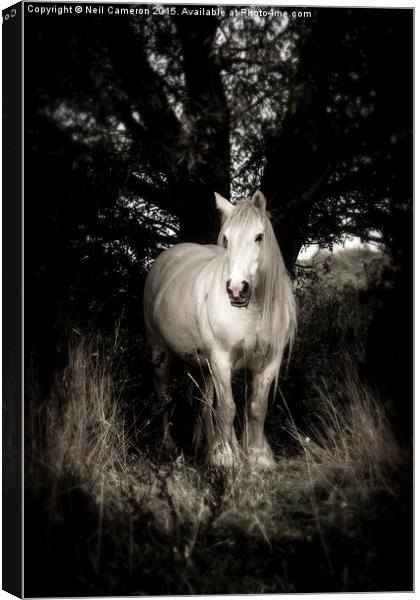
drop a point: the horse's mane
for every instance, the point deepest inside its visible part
(274, 287)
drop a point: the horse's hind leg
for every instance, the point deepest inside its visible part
(162, 362)
(203, 427)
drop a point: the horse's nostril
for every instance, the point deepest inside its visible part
(228, 285)
(245, 287)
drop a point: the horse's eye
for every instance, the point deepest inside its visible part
(259, 237)
(225, 242)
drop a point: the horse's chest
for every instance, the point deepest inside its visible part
(247, 343)
(249, 351)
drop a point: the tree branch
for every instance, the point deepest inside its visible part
(151, 193)
(307, 198)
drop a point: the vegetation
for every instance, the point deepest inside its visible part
(107, 513)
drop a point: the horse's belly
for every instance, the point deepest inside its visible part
(173, 303)
(186, 342)
(178, 326)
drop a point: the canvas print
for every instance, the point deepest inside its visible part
(218, 299)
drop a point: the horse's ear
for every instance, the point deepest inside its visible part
(259, 201)
(223, 205)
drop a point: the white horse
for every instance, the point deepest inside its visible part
(224, 307)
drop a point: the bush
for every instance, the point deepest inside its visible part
(334, 314)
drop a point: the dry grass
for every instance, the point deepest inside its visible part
(171, 527)
(352, 437)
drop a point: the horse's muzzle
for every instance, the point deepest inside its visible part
(239, 295)
(240, 304)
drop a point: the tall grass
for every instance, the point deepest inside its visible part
(146, 526)
(81, 429)
(350, 437)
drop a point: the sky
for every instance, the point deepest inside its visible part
(308, 252)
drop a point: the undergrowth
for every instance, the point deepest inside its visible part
(106, 514)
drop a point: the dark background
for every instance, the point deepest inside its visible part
(131, 124)
(12, 300)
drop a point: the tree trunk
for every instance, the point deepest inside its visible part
(207, 108)
(294, 175)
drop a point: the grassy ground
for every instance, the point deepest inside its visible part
(106, 514)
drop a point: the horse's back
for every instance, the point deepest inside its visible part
(187, 250)
(181, 259)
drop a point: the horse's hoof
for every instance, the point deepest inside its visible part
(223, 457)
(261, 460)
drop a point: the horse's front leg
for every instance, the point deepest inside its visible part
(254, 442)
(225, 448)
(162, 362)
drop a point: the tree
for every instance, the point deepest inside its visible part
(133, 123)
(340, 161)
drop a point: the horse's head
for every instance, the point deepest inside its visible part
(242, 234)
